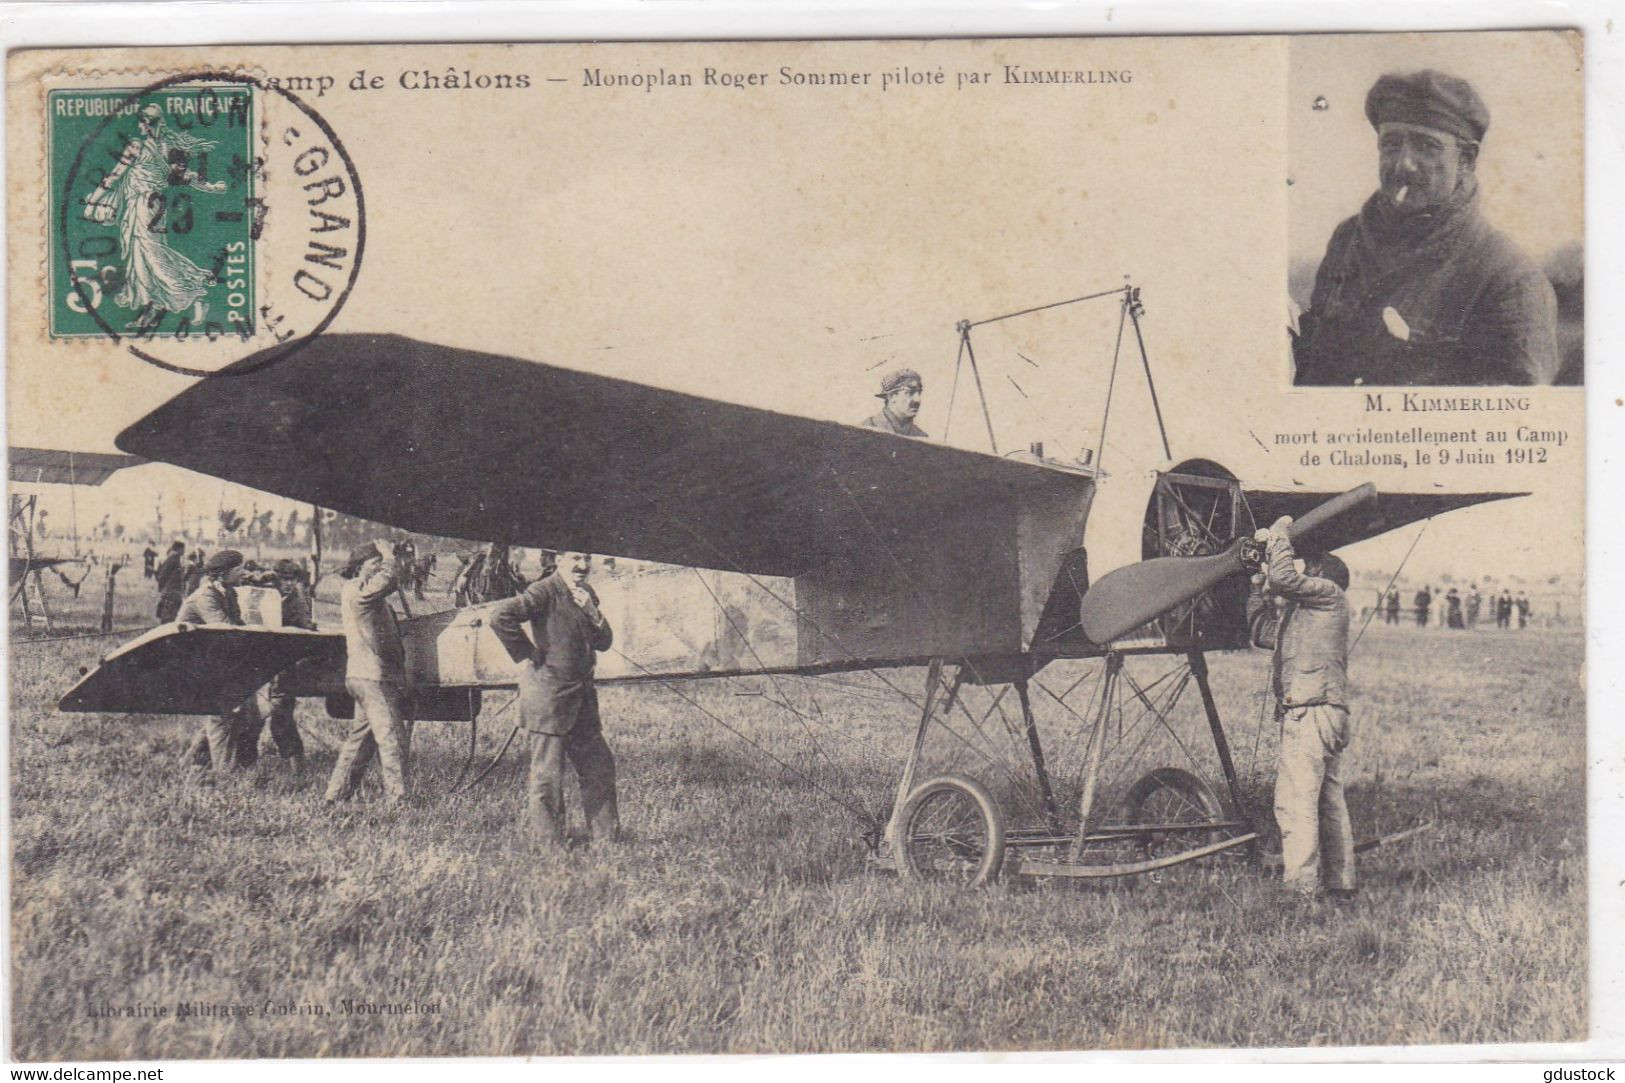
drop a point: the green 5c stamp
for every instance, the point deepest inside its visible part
(161, 226)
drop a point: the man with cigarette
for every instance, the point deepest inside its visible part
(1418, 289)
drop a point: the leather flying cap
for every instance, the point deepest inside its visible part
(1429, 98)
(222, 562)
(899, 378)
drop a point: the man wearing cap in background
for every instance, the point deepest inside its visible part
(215, 599)
(1310, 638)
(193, 575)
(215, 602)
(171, 582)
(274, 704)
(374, 674)
(557, 701)
(901, 392)
(1418, 289)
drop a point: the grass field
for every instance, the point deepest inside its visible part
(738, 915)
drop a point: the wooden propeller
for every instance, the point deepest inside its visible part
(1126, 598)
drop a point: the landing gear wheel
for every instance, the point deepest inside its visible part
(1172, 795)
(951, 831)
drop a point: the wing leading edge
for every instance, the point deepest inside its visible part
(472, 445)
(195, 669)
(1389, 511)
(35, 465)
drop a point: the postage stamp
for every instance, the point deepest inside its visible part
(159, 225)
(157, 210)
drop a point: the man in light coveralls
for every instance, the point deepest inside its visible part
(374, 675)
(1310, 636)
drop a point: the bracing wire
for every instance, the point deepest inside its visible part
(859, 811)
(800, 717)
(953, 391)
(1391, 581)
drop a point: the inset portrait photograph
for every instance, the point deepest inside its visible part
(1436, 217)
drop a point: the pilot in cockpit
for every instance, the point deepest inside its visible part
(901, 392)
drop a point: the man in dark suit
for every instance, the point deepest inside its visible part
(171, 582)
(557, 700)
(1424, 603)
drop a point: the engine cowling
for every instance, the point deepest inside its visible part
(1196, 509)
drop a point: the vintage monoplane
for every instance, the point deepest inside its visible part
(812, 548)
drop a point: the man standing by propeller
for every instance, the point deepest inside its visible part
(557, 701)
(1309, 635)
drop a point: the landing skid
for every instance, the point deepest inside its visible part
(950, 828)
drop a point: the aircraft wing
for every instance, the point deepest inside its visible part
(194, 669)
(34, 465)
(471, 445)
(1388, 511)
(18, 565)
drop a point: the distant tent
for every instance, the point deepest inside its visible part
(32, 464)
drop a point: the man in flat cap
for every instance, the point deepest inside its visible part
(215, 599)
(215, 602)
(171, 577)
(193, 574)
(274, 704)
(374, 675)
(900, 392)
(1418, 289)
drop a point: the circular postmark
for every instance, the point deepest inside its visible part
(201, 220)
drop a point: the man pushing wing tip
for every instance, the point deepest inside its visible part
(214, 600)
(274, 704)
(1310, 678)
(901, 391)
(375, 676)
(557, 700)
(218, 743)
